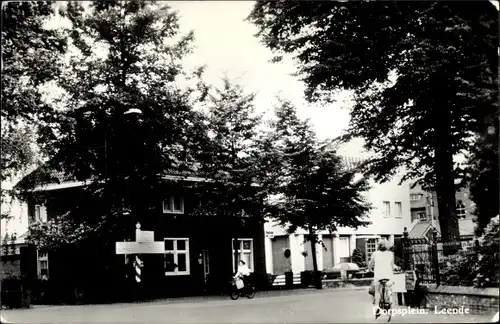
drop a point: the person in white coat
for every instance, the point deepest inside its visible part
(382, 261)
(243, 272)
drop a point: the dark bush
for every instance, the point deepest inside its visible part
(358, 258)
(478, 268)
(11, 294)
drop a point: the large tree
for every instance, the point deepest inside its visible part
(423, 74)
(311, 188)
(230, 160)
(31, 56)
(485, 174)
(126, 56)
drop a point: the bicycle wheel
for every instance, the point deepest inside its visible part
(234, 294)
(381, 303)
(251, 293)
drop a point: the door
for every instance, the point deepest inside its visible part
(282, 261)
(308, 259)
(327, 251)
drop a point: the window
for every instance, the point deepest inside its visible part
(40, 213)
(371, 246)
(460, 210)
(399, 209)
(176, 256)
(173, 205)
(415, 197)
(387, 209)
(43, 265)
(422, 216)
(467, 245)
(344, 247)
(244, 250)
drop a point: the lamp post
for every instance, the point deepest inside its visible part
(430, 202)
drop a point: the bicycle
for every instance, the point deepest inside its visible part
(247, 291)
(385, 299)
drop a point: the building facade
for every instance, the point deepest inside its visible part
(424, 214)
(387, 219)
(200, 252)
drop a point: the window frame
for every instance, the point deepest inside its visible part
(42, 257)
(399, 209)
(426, 218)
(172, 200)
(367, 242)
(467, 245)
(387, 213)
(345, 242)
(242, 251)
(176, 253)
(460, 210)
(416, 196)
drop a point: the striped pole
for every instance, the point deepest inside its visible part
(138, 265)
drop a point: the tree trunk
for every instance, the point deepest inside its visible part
(445, 180)
(316, 275)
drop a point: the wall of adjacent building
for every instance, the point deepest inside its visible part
(379, 224)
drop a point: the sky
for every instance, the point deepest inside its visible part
(225, 42)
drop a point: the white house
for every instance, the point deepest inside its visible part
(390, 214)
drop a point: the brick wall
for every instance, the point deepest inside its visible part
(478, 300)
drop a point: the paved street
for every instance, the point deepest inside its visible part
(304, 306)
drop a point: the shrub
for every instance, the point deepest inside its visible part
(478, 269)
(359, 258)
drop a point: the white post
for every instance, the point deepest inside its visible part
(268, 248)
(336, 243)
(352, 243)
(137, 231)
(319, 253)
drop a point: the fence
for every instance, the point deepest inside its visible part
(432, 259)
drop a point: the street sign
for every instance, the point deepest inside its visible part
(270, 234)
(140, 247)
(145, 236)
(399, 283)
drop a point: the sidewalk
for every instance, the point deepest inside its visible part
(195, 299)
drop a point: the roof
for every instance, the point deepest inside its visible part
(44, 175)
(466, 227)
(419, 230)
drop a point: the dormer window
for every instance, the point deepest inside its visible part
(173, 205)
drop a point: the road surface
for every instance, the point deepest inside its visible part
(299, 306)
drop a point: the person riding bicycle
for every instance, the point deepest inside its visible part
(243, 272)
(382, 264)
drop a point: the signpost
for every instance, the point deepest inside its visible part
(399, 283)
(144, 244)
(145, 236)
(140, 247)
